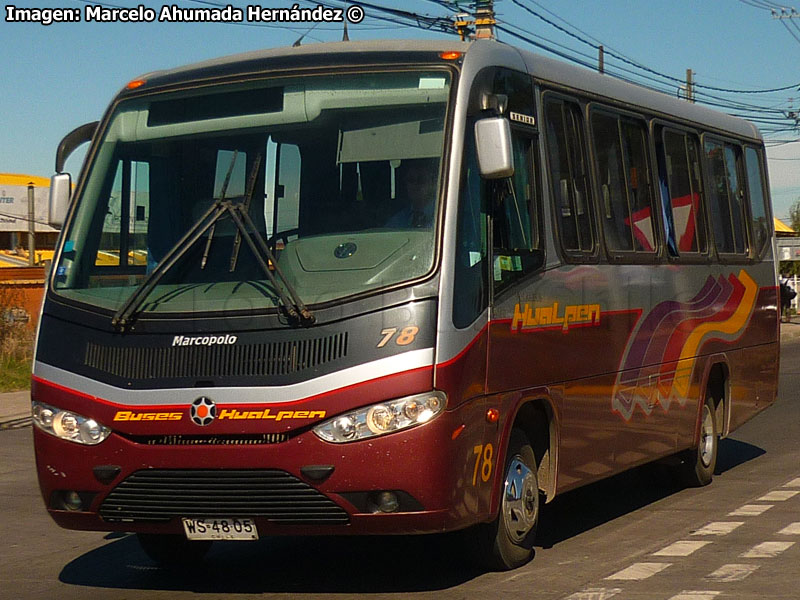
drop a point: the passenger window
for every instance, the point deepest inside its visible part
(682, 193)
(623, 171)
(516, 222)
(758, 201)
(569, 176)
(726, 197)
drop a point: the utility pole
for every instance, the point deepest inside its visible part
(689, 86)
(601, 62)
(31, 230)
(483, 19)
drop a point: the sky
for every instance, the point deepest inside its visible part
(54, 78)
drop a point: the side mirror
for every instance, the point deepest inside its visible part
(61, 183)
(60, 190)
(494, 150)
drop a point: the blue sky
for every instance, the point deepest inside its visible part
(57, 77)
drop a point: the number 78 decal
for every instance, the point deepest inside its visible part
(483, 462)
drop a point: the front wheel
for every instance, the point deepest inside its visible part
(699, 463)
(507, 542)
(173, 550)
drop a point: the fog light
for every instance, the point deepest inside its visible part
(385, 502)
(72, 501)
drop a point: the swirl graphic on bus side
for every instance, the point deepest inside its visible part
(660, 358)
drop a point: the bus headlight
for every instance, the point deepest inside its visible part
(68, 425)
(379, 419)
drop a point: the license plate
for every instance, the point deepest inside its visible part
(220, 529)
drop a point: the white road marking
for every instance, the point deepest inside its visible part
(793, 529)
(793, 483)
(778, 496)
(767, 549)
(594, 594)
(705, 595)
(750, 510)
(638, 571)
(731, 572)
(682, 548)
(718, 528)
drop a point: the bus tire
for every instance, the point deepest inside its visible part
(173, 550)
(507, 542)
(699, 463)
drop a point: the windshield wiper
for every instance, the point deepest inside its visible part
(222, 193)
(124, 315)
(295, 308)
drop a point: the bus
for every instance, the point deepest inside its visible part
(395, 287)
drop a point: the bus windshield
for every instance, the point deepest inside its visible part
(339, 175)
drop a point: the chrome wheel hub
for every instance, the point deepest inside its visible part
(520, 500)
(707, 437)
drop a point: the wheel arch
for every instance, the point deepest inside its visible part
(537, 419)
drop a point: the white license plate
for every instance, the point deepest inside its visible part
(220, 529)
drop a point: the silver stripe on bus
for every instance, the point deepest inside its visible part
(407, 361)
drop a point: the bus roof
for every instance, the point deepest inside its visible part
(545, 69)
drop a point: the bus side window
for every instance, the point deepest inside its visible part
(568, 176)
(515, 219)
(626, 206)
(726, 197)
(470, 290)
(758, 200)
(684, 202)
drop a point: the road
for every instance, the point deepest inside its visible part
(636, 536)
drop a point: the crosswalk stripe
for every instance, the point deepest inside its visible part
(682, 548)
(594, 594)
(767, 549)
(731, 572)
(750, 510)
(793, 529)
(778, 496)
(638, 571)
(718, 528)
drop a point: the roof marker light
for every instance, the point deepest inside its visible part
(450, 55)
(136, 83)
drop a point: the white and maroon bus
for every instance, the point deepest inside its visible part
(394, 287)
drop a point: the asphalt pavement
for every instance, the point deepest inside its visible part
(15, 407)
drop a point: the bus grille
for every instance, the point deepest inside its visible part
(254, 360)
(256, 439)
(160, 495)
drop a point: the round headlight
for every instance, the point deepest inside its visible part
(379, 419)
(344, 428)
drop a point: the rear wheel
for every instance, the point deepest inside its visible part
(507, 542)
(699, 463)
(173, 550)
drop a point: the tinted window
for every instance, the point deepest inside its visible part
(726, 197)
(568, 176)
(758, 201)
(685, 211)
(623, 172)
(516, 236)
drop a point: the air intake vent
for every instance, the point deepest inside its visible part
(246, 360)
(256, 439)
(160, 495)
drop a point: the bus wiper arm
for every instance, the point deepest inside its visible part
(295, 307)
(123, 317)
